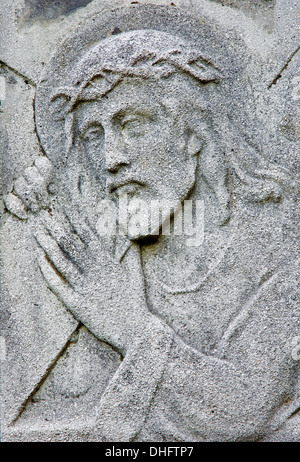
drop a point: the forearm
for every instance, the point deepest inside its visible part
(125, 404)
(197, 397)
(207, 398)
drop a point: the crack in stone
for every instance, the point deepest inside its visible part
(26, 79)
(278, 76)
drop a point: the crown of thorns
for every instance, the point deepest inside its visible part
(103, 76)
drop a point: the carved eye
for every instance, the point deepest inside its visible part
(135, 125)
(93, 134)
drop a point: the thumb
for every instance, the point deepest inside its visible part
(132, 263)
(15, 206)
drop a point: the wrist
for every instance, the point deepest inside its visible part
(153, 333)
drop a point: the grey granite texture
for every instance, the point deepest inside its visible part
(116, 331)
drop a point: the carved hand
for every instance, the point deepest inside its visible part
(106, 295)
(30, 191)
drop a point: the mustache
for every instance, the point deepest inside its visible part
(113, 185)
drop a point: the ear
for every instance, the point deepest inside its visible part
(198, 136)
(195, 143)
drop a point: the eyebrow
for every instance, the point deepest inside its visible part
(124, 113)
(92, 119)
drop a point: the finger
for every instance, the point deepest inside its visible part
(59, 260)
(15, 206)
(55, 282)
(45, 168)
(43, 198)
(32, 175)
(79, 225)
(40, 196)
(100, 250)
(68, 241)
(21, 189)
(26, 193)
(132, 264)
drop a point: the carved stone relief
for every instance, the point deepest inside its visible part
(122, 327)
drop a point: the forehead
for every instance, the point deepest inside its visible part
(132, 94)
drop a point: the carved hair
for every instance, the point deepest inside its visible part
(126, 55)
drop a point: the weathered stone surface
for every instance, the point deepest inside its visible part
(114, 331)
(47, 10)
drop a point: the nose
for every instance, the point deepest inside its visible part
(115, 154)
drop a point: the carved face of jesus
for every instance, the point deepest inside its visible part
(134, 137)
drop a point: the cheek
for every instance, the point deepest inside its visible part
(153, 151)
(94, 156)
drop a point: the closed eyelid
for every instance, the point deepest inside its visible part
(91, 127)
(138, 116)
